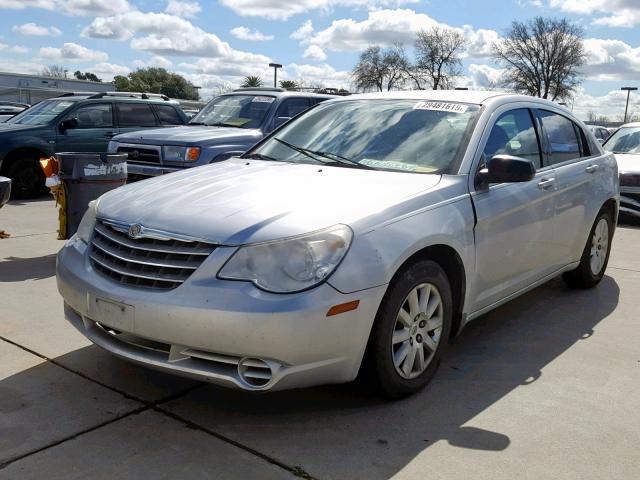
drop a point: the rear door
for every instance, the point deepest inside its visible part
(134, 116)
(514, 221)
(94, 130)
(579, 170)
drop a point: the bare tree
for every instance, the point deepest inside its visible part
(542, 57)
(55, 71)
(380, 69)
(438, 61)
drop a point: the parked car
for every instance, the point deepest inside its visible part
(625, 144)
(227, 126)
(78, 123)
(361, 236)
(5, 190)
(190, 113)
(11, 109)
(601, 133)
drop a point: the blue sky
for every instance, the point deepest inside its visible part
(216, 42)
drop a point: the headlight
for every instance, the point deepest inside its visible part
(290, 265)
(88, 222)
(180, 154)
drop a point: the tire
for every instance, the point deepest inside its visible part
(595, 256)
(383, 367)
(27, 178)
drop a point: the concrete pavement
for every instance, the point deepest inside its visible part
(547, 386)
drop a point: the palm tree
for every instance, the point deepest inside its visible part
(252, 81)
(288, 84)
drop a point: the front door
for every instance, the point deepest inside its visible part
(514, 221)
(93, 131)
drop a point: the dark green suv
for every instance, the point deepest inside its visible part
(75, 123)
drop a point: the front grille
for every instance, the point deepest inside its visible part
(141, 155)
(145, 262)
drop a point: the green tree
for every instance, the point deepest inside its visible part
(252, 81)
(86, 76)
(288, 84)
(157, 80)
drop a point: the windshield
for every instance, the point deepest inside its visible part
(625, 140)
(401, 135)
(41, 113)
(242, 111)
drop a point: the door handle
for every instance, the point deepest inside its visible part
(592, 168)
(546, 183)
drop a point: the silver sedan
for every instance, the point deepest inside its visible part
(355, 240)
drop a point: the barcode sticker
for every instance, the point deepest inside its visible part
(441, 107)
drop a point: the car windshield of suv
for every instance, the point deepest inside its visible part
(41, 113)
(625, 140)
(242, 111)
(400, 135)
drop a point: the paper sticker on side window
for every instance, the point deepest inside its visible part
(441, 107)
(263, 99)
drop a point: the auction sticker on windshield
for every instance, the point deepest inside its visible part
(441, 107)
(263, 99)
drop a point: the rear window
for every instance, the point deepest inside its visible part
(168, 115)
(136, 115)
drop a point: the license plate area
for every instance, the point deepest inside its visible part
(110, 313)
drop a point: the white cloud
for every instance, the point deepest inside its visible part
(36, 30)
(243, 33)
(484, 76)
(323, 74)
(611, 104)
(480, 41)
(72, 52)
(10, 65)
(610, 60)
(70, 7)
(106, 71)
(314, 52)
(183, 8)
(616, 13)
(13, 48)
(155, 61)
(304, 32)
(280, 10)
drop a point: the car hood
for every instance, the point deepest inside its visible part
(17, 127)
(628, 162)
(238, 201)
(190, 135)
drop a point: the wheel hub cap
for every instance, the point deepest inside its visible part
(599, 246)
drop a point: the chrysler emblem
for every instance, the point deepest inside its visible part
(135, 230)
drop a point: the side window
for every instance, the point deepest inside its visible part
(514, 134)
(564, 143)
(135, 115)
(291, 107)
(168, 115)
(94, 115)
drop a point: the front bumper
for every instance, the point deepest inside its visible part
(630, 201)
(223, 332)
(137, 170)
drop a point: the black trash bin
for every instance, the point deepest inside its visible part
(86, 176)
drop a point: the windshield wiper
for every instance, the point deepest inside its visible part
(221, 124)
(333, 157)
(260, 156)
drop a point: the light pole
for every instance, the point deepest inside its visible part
(628, 89)
(275, 66)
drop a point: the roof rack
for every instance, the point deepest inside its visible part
(260, 89)
(142, 95)
(77, 94)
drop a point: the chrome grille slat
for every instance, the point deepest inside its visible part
(145, 262)
(127, 256)
(151, 245)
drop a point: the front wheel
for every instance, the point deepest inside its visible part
(27, 178)
(595, 255)
(411, 330)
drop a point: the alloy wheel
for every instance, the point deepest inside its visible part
(599, 246)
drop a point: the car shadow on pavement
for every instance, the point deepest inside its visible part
(17, 269)
(345, 431)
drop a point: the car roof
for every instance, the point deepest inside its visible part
(277, 92)
(478, 97)
(630, 124)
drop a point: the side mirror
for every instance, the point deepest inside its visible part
(280, 121)
(506, 169)
(67, 124)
